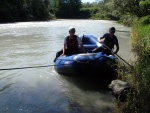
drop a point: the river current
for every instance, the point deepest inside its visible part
(42, 90)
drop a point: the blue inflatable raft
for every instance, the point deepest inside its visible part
(90, 42)
(87, 64)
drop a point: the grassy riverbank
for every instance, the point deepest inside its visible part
(138, 101)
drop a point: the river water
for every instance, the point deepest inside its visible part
(42, 90)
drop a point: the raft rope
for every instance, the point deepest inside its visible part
(77, 61)
(31, 67)
(87, 62)
(41, 66)
(25, 67)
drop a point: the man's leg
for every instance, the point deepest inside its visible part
(58, 54)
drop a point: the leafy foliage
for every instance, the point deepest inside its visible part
(139, 101)
(123, 10)
(30, 10)
(24, 10)
(67, 8)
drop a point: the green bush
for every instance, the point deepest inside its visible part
(139, 102)
(127, 20)
(145, 20)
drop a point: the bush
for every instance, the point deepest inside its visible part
(145, 20)
(140, 79)
(127, 20)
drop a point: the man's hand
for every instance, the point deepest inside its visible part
(115, 52)
(62, 54)
(100, 41)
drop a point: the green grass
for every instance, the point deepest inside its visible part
(138, 100)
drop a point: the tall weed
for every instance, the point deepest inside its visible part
(139, 100)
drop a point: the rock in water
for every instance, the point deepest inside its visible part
(120, 89)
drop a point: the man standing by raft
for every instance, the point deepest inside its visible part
(109, 40)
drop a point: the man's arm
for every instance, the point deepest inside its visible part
(101, 39)
(117, 49)
(65, 46)
(117, 46)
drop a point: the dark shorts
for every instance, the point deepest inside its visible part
(67, 52)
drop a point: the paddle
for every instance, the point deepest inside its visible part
(117, 55)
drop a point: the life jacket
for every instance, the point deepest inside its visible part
(72, 43)
(109, 41)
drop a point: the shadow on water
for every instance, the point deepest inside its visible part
(89, 83)
(101, 100)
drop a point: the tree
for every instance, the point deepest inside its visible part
(24, 10)
(145, 5)
(10, 10)
(67, 8)
(132, 6)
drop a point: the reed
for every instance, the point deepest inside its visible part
(138, 101)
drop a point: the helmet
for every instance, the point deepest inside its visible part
(72, 30)
(112, 29)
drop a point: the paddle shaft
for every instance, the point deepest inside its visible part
(117, 55)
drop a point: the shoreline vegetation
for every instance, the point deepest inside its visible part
(139, 77)
(136, 17)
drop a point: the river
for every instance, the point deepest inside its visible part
(42, 90)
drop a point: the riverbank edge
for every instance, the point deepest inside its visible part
(138, 100)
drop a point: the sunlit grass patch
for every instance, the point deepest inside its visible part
(138, 101)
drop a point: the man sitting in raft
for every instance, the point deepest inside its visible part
(71, 43)
(109, 40)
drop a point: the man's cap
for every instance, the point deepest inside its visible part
(72, 29)
(112, 29)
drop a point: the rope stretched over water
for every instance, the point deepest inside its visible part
(26, 67)
(45, 65)
(38, 66)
